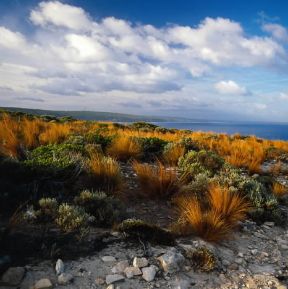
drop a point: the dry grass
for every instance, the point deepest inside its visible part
(54, 133)
(156, 181)
(217, 221)
(173, 153)
(124, 148)
(105, 173)
(276, 168)
(279, 190)
(31, 130)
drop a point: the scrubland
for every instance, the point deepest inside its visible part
(73, 176)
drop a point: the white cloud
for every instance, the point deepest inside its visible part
(59, 14)
(278, 31)
(230, 87)
(73, 54)
(283, 96)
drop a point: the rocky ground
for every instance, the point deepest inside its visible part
(256, 257)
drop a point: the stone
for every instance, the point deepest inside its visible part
(108, 259)
(149, 273)
(130, 272)
(99, 281)
(239, 261)
(13, 276)
(172, 261)
(140, 262)
(43, 284)
(180, 284)
(59, 267)
(120, 267)
(114, 278)
(254, 252)
(111, 286)
(65, 278)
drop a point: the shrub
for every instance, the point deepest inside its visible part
(124, 148)
(63, 160)
(71, 218)
(189, 144)
(105, 209)
(151, 147)
(104, 173)
(203, 161)
(139, 229)
(48, 209)
(143, 125)
(99, 139)
(156, 181)
(172, 153)
(216, 221)
(201, 259)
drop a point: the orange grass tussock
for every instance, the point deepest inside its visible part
(156, 181)
(217, 220)
(279, 190)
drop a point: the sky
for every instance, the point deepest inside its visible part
(216, 60)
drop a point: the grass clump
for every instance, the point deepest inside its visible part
(216, 220)
(157, 181)
(139, 229)
(172, 153)
(124, 148)
(104, 173)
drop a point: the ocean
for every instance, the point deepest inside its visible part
(273, 131)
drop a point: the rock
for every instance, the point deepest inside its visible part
(120, 267)
(108, 259)
(114, 278)
(239, 261)
(172, 261)
(180, 284)
(111, 286)
(13, 276)
(59, 267)
(149, 273)
(65, 278)
(43, 284)
(99, 281)
(130, 272)
(140, 262)
(254, 252)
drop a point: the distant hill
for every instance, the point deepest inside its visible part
(93, 115)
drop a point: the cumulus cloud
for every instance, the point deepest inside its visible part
(278, 31)
(72, 54)
(230, 87)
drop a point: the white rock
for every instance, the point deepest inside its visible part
(59, 267)
(65, 278)
(111, 286)
(120, 267)
(13, 276)
(172, 261)
(43, 284)
(130, 272)
(140, 262)
(108, 259)
(149, 273)
(254, 251)
(114, 278)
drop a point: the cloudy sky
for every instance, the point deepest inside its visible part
(198, 59)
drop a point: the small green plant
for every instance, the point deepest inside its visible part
(200, 162)
(100, 139)
(106, 210)
(151, 147)
(136, 228)
(72, 218)
(201, 259)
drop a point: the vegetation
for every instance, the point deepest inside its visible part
(76, 175)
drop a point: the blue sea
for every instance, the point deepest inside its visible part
(273, 131)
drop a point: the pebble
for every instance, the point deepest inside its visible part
(140, 262)
(108, 259)
(120, 267)
(59, 267)
(130, 272)
(149, 273)
(44, 283)
(114, 278)
(13, 276)
(65, 278)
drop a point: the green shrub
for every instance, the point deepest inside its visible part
(106, 210)
(143, 125)
(189, 144)
(59, 160)
(99, 139)
(48, 209)
(71, 218)
(139, 229)
(201, 259)
(151, 147)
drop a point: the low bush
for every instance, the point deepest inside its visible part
(152, 147)
(106, 210)
(97, 138)
(144, 231)
(195, 163)
(143, 125)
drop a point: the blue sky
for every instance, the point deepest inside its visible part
(197, 59)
